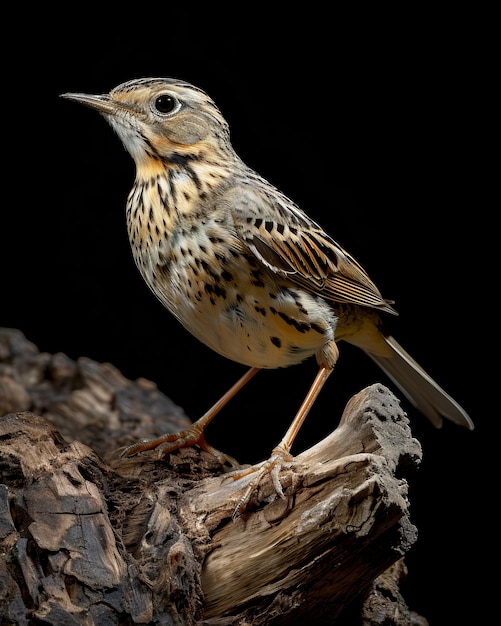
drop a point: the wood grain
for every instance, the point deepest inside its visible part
(89, 538)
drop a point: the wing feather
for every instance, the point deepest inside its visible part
(289, 243)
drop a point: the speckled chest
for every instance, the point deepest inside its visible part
(201, 271)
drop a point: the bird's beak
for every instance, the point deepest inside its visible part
(103, 104)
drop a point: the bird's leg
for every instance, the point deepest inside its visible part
(281, 453)
(194, 435)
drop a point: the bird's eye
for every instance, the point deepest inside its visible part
(165, 103)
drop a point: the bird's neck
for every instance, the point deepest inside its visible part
(188, 174)
(169, 196)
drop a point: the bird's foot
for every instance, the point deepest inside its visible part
(279, 458)
(174, 441)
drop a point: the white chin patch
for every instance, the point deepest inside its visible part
(130, 138)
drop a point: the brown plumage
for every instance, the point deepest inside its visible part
(239, 264)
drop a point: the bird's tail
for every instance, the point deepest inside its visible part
(418, 386)
(412, 380)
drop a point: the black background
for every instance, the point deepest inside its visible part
(374, 125)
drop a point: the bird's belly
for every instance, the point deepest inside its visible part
(256, 321)
(259, 332)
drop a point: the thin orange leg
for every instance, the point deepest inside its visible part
(285, 445)
(194, 435)
(280, 453)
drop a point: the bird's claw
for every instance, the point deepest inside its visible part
(164, 444)
(272, 466)
(174, 441)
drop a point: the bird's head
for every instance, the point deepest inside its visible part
(161, 119)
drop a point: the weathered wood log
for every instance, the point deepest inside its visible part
(89, 538)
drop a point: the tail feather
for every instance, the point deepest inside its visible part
(419, 388)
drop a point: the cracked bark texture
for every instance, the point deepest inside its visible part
(89, 538)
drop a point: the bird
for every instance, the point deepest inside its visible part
(242, 266)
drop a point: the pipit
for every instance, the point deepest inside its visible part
(240, 265)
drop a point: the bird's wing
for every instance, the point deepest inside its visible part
(284, 239)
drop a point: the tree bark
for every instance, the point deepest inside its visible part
(90, 538)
